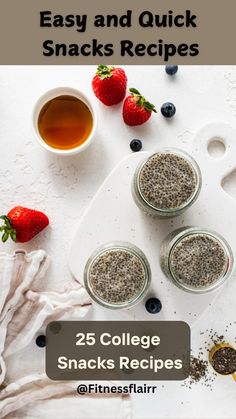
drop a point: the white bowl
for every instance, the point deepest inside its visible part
(49, 95)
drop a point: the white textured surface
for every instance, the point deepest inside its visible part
(63, 187)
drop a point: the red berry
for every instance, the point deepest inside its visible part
(22, 224)
(136, 109)
(109, 84)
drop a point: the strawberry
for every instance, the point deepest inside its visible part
(136, 109)
(22, 224)
(109, 84)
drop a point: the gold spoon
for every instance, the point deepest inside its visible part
(214, 350)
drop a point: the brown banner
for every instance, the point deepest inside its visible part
(118, 32)
(112, 350)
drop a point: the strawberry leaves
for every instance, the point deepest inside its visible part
(141, 101)
(135, 91)
(7, 229)
(104, 72)
(150, 107)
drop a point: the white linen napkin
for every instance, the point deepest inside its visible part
(37, 397)
(23, 311)
(17, 272)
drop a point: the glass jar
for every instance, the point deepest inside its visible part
(196, 260)
(166, 183)
(117, 275)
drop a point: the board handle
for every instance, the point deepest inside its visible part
(224, 133)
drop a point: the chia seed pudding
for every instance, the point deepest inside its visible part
(196, 260)
(117, 275)
(166, 183)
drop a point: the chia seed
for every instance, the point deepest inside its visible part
(198, 260)
(224, 360)
(198, 369)
(117, 276)
(167, 181)
(199, 373)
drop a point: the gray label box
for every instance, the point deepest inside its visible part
(118, 350)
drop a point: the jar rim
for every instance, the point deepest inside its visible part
(117, 245)
(191, 161)
(228, 262)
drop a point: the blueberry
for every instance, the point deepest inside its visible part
(41, 341)
(136, 145)
(168, 110)
(171, 69)
(153, 305)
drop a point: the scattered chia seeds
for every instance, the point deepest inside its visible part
(224, 360)
(117, 276)
(198, 260)
(198, 369)
(199, 373)
(201, 370)
(167, 181)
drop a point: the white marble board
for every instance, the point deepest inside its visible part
(113, 215)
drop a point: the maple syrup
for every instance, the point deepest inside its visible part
(65, 122)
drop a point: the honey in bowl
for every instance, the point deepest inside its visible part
(65, 122)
